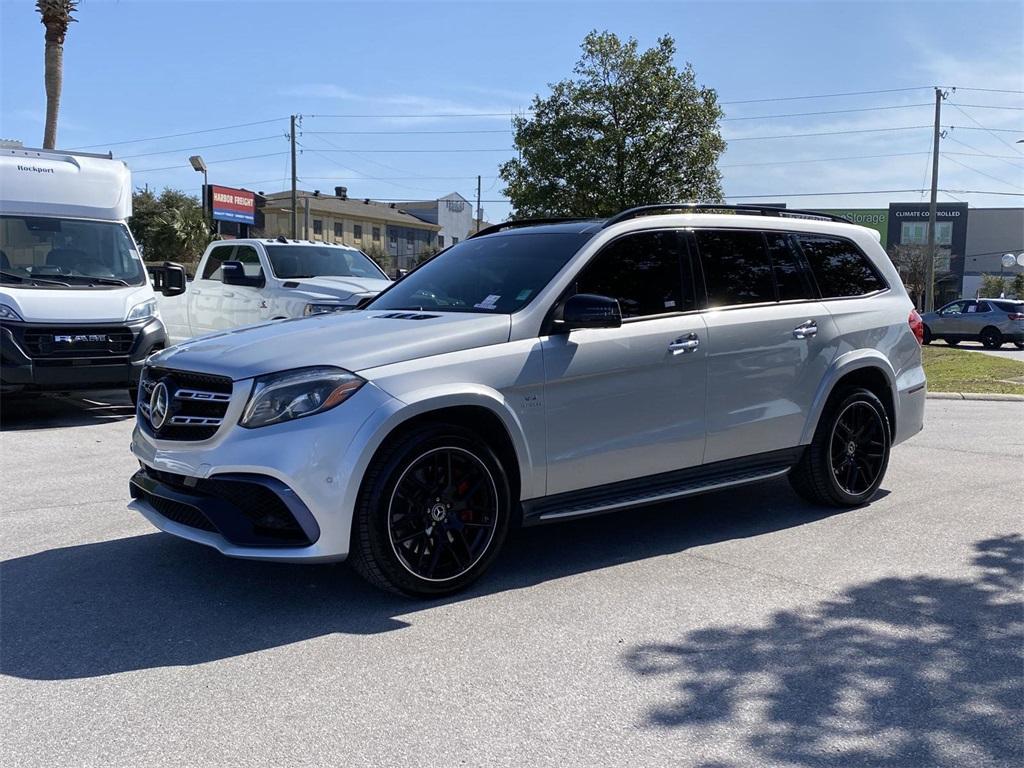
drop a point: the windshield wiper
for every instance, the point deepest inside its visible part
(31, 279)
(95, 280)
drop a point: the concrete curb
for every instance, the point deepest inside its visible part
(975, 396)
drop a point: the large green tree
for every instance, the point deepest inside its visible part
(55, 16)
(629, 128)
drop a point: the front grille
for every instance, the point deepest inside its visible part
(194, 406)
(60, 342)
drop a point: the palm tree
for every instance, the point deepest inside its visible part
(56, 15)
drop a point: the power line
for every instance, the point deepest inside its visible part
(982, 173)
(827, 95)
(984, 128)
(822, 159)
(410, 151)
(831, 112)
(985, 90)
(827, 133)
(402, 133)
(202, 146)
(983, 106)
(179, 135)
(991, 131)
(420, 115)
(183, 165)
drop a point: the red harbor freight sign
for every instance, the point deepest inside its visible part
(230, 204)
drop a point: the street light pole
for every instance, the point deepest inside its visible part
(198, 164)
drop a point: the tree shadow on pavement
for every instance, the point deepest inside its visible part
(153, 600)
(899, 672)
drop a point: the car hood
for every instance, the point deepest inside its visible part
(353, 340)
(74, 305)
(331, 287)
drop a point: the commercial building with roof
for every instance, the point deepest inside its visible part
(453, 213)
(382, 230)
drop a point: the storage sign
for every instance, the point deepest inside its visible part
(230, 204)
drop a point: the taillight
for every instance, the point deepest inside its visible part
(1016, 315)
(916, 325)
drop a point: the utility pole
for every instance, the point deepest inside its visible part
(295, 206)
(478, 216)
(929, 280)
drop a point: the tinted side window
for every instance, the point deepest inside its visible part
(643, 271)
(217, 257)
(839, 267)
(737, 269)
(250, 260)
(791, 278)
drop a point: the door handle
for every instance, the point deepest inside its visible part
(228, 294)
(805, 331)
(685, 344)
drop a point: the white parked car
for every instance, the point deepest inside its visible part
(243, 282)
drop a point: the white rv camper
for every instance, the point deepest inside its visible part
(77, 309)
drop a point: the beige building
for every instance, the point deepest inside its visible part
(379, 229)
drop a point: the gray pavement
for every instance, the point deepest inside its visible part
(1008, 351)
(742, 628)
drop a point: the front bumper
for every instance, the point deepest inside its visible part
(30, 365)
(312, 465)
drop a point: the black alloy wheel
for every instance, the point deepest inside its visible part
(849, 453)
(858, 447)
(443, 513)
(991, 338)
(432, 513)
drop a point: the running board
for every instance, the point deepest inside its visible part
(663, 487)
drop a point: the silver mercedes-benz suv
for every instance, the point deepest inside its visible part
(539, 371)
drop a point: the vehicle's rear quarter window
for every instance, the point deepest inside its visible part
(839, 267)
(1010, 306)
(737, 268)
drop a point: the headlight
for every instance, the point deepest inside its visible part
(143, 310)
(320, 308)
(8, 313)
(293, 394)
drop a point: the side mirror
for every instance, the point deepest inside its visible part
(169, 279)
(233, 273)
(587, 310)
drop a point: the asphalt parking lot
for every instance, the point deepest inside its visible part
(742, 628)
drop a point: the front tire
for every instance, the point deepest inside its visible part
(432, 513)
(927, 337)
(846, 461)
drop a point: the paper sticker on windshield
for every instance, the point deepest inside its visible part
(489, 303)
(669, 304)
(524, 294)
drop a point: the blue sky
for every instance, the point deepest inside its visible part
(140, 69)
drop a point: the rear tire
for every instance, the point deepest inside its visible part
(432, 513)
(927, 338)
(847, 458)
(991, 338)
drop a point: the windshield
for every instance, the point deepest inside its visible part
(291, 262)
(498, 274)
(52, 252)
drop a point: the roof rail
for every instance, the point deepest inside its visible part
(762, 210)
(523, 223)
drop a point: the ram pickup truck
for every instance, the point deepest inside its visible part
(242, 282)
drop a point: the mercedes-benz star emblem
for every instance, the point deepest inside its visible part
(159, 405)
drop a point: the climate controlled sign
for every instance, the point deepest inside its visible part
(230, 204)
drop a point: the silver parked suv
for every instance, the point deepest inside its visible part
(993, 322)
(538, 371)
